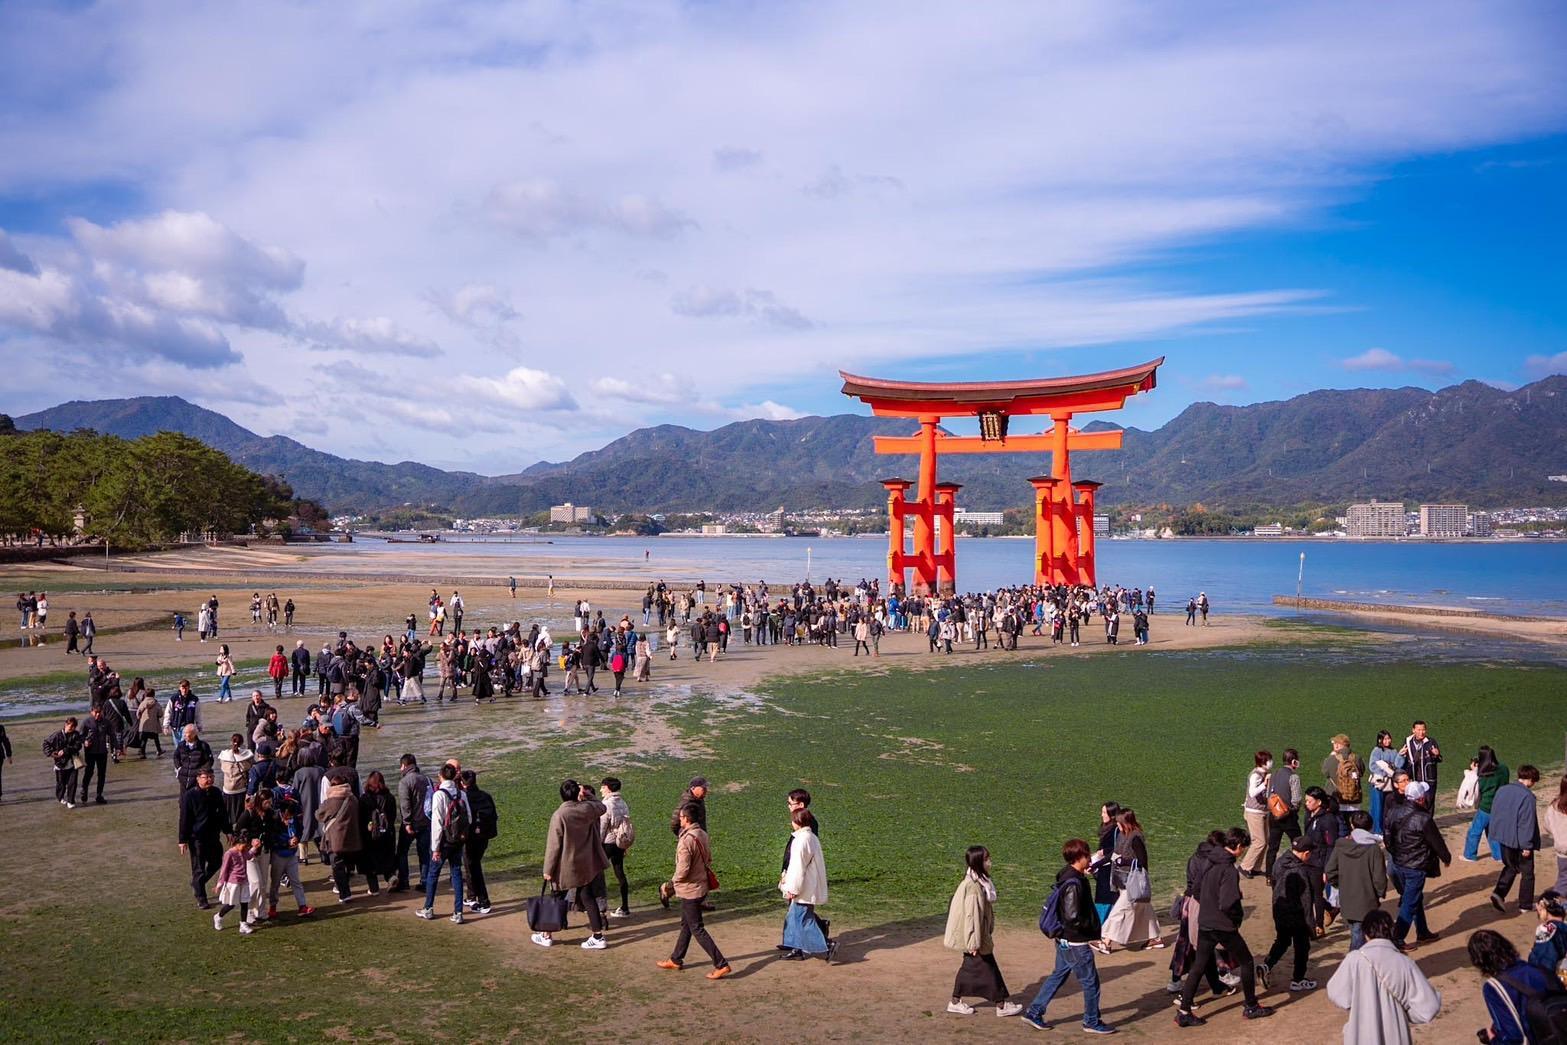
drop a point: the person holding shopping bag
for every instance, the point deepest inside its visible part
(1132, 919)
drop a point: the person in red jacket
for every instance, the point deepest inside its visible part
(278, 670)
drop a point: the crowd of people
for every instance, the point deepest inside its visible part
(288, 788)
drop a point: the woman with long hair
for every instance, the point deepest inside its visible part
(1132, 918)
(1493, 774)
(1509, 983)
(1381, 768)
(225, 665)
(378, 829)
(1556, 825)
(1105, 893)
(971, 922)
(1255, 809)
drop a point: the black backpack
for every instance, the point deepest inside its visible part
(456, 825)
(1545, 1012)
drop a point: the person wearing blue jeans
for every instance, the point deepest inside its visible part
(1416, 851)
(1073, 904)
(1493, 777)
(447, 807)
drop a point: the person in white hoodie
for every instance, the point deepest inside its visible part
(1383, 990)
(804, 884)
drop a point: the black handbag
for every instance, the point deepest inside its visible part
(547, 914)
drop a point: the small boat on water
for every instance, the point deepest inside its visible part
(423, 538)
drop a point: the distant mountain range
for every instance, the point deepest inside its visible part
(1470, 443)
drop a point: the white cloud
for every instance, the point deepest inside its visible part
(522, 389)
(980, 186)
(1544, 366)
(541, 209)
(761, 305)
(660, 389)
(1382, 359)
(1224, 383)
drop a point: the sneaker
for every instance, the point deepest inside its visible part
(594, 943)
(1008, 1008)
(1098, 1028)
(307, 911)
(1230, 979)
(832, 951)
(960, 1008)
(245, 929)
(100, 800)
(620, 912)
(350, 898)
(482, 908)
(1173, 987)
(1188, 1019)
(720, 972)
(70, 805)
(427, 913)
(1303, 985)
(217, 922)
(1496, 902)
(1256, 1012)
(456, 917)
(1036, 1022)
(542, 940)
(1262, 975)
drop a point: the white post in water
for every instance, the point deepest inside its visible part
(807, 564)
(1300, 579)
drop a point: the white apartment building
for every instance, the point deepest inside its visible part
(1444, 520)
(1376, 519)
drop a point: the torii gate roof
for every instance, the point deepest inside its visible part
(974, 396)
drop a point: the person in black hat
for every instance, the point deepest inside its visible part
(1292, 917)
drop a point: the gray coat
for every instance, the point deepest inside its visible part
(307, 789)
(411, 790)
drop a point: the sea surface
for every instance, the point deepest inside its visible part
(1241, 575)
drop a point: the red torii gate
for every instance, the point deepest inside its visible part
(1062, 553)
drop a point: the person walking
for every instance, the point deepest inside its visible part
(574, 858)
(299, 663)
(64, 747)
(277, 671)
(1358, 869)
(1556, 825)
(147, 724)
(1416, 850)
(190, 755)
(1493, 776)
(225, 666)
(486, 826)
(1219, 921)
(450, 822)
(98, 742)
(618, 832)
(1285, 796)
(693, 880)
(378, 831)
(1103, 864)
(1293, 915)
(338, 815)
(1514, 825)
(283, 857)
(234, 884)
(803, 883)
(1132, 918)
(413, 831)
(1255, 809)
(1382, 990)
(234, 764)
(5, 757)
(203, 819)
(971, 922)
(1077, 918)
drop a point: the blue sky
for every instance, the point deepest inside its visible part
(480, 234)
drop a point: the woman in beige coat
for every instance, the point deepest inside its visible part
(971, 922)
(148, 719)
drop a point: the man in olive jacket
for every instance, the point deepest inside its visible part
(1359, 870)
(574, 856)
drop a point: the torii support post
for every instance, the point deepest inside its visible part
(923, 509)
(1063, 513)
(1043, 532)
(1087, 571)
(897, 494)
(946, 549)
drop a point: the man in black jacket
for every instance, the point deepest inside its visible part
(5, 756)
(1293, 907)
(1416, 851)
(1079, 928)
(203, 819)
(191, 754)
(1218, 924)
(95, 749)
(486, 825)
(300, 661)
(64, 746)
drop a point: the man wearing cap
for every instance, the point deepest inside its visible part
(1416, 851)
(203, 819)
(1293, 913)
(1342, 773)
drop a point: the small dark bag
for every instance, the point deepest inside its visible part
(547, 913)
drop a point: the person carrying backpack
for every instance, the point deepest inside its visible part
(1343, 771)
(1070, 918)
(451, 821)
(486, 825)
(1525, 1005)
